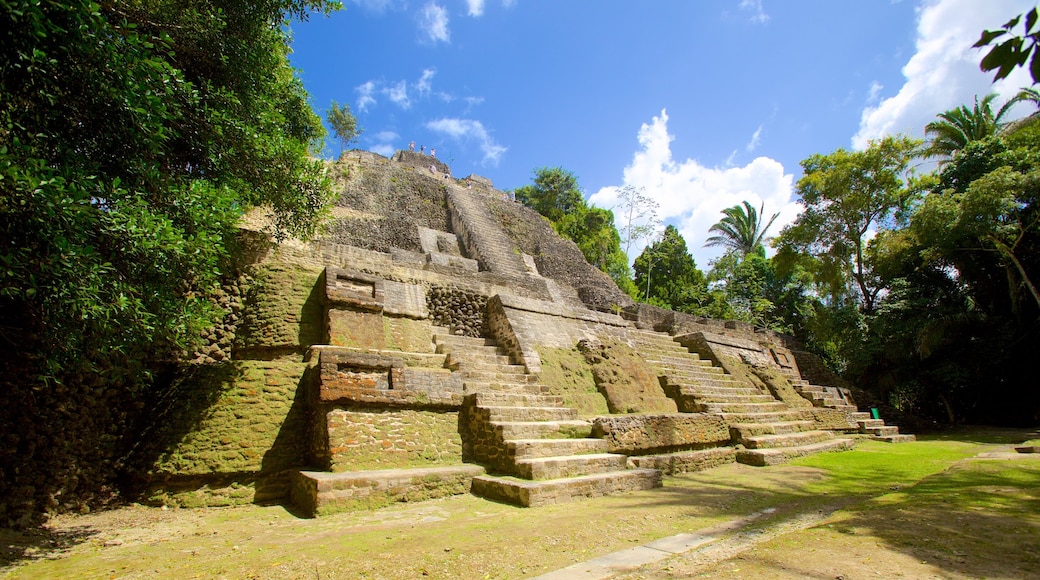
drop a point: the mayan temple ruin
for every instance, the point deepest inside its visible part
(442, 339)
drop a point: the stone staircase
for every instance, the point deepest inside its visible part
(539, 451)
(769, 430)
(877, 429)
(481, 233)
(829, 397)
(833, 398)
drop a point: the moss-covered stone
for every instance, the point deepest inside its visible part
(567, 374)
(227, 428)
(281, 307)
(627, 382)
(361, 439)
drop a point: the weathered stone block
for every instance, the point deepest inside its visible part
(643, 434)
(363, 330)
(390, 439)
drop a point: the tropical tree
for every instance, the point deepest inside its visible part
(556, 195)
(555, 192)
(133, 136)
(741, 230)
(640, 211)
(343, 123)
(845, 195)
(666, 274)
(958, 127)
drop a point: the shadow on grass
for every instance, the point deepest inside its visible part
(980, 519)
(24, 546)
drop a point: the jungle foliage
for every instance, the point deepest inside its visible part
(133, 135)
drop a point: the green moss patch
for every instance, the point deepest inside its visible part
(567, 374)
(627, 382)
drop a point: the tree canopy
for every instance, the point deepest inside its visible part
(135, 134)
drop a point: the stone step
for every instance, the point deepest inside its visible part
(496, 376)
(318, 493)
(685, 461)
(526, 414)
(693, 370)
(744, 430)
(707, 391)
(770, 417)
(734, 398)
(773, 456)
(542, 429)
(480, 360)
(880, 431)
(511, 399)
(471, 387)
(678, 360)
(716, 381)
(531, 448)
(536, 493)
(557, 467)
(867, 423)
(901, 438)
(798, 439)
(710, 407)
(467, 343)
(861, 415)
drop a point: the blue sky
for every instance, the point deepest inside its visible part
(704, 104)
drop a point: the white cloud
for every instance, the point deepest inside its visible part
(874, 93)
(944, 72)
(385, 136)
(398, 93)
(756, 139)
(384, 149)
(365, 97)
(433, 20)
(425, 81)
(476, 7)
(758, 14)
(466, 130)
(692, 196)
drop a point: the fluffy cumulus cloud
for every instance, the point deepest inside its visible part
(692, 196)
(433, 21)
(476, 7)
(469, 131)
(366, 95)
(944, 71)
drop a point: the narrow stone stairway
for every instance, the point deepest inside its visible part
(766, 431)
(538, 451)
(832, 398)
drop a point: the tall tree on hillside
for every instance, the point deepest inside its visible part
(555, 192)
(666, 273)
(556, 195)
(640, 214)
(343, 123)
(958, 127)
(847, 194)
(742, 229)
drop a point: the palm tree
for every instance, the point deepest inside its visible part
(741, 229)
(958, 127)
